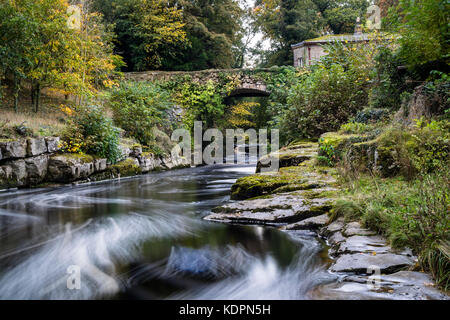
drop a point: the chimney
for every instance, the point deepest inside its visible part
(358, 27)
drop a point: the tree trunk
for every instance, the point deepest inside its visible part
(38, 97)
(33, 96)
(16, 93)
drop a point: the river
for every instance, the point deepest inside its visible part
(144, 238)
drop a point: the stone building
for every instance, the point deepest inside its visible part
(309, 51)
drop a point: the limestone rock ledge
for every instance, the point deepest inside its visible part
(33, 161)
(284, 207)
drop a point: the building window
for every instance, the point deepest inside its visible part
(300, 62)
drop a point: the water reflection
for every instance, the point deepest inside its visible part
(143, 238)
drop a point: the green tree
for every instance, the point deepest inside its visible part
(95, 64)
(200, 102)
(341, 15)
(212, 29)
(287, 22)
(52, 47)
(424, 29)
(16, 33)
(147, 30)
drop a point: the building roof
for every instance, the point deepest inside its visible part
(357, 37)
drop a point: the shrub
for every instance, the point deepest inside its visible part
(422, 149)
(327, 153)
(370, 115)
(354, 127)
(394, 154)
(138, 108)
(89, 131)
(429, 147)
(323, 101)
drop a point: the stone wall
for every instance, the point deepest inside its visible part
(33, 161)
(25, 162)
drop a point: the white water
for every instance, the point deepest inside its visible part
(125, 236)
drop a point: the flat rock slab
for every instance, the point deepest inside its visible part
(333, 227)
(402, 285)
(336, 238)
(355, 229)
(361, 262)
(279, 208)
(366, 244)
(308, 224)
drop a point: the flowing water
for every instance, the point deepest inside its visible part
(143, 238)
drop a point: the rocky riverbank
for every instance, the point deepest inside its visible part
(40, 161)
(299, 197)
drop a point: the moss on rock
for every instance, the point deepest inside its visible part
(78, 157)
(289, 156)
(338, 142)
(287, 179)
(126, 168)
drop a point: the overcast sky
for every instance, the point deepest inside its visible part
(254, 38)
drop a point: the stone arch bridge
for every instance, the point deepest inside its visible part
(250, 82)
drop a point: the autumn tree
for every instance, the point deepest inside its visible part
(38, 45)
(95, 65)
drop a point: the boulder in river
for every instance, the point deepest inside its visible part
(289, 156)
(287, 179)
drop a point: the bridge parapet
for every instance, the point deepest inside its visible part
(250, 84)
